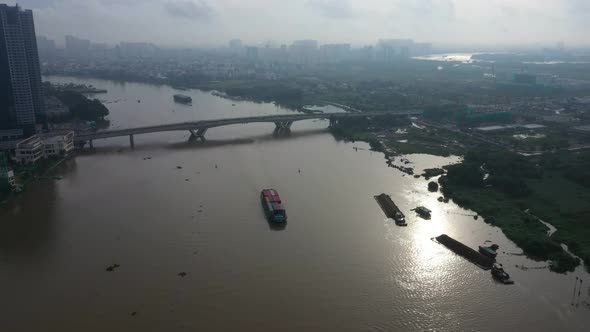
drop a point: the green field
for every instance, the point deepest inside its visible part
(516, 185)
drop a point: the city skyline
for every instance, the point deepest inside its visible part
(211, 23)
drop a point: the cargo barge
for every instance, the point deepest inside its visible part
(273, 206)
(468, 253)
(391, 210)
(183, 99)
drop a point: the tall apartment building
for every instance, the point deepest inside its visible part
(21, 91)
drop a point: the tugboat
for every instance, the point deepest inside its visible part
(489, 251)
(499, 274)
(423, 212)
(400, 219)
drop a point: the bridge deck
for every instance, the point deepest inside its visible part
(206, 124)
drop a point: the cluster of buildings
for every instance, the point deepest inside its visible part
(303, 52)
(40, 146)
(22, 101)
(308, 52)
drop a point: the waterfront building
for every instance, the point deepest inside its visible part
(49, 145)
(29, 150)
(58, 144)
(21, 91)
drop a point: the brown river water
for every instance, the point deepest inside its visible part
(338, 265)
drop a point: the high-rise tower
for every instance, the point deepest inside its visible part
(21, 91)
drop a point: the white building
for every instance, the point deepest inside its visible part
(29, 151)
(35, 147)
(58, 145)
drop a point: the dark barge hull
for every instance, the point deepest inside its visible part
(387, 205)
(390, 209)
(465, 251)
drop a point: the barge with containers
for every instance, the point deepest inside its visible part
(468, 253)
(273, 206)
(391, 210)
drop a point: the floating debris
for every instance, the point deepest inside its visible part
(182, 274)
(186, 180)
(178, 167)
(112, 267)
(134, 313)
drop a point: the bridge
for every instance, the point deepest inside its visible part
(199, 128)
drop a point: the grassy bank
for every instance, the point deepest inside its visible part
(514, 193)
(515, 186)
(26, 174)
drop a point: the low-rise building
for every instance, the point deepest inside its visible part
(29, 150)
(58, 144)
(50, 145)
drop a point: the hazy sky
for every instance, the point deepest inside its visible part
(194, 22)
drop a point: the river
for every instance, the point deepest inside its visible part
(339, 265)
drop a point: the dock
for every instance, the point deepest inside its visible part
(466, 252)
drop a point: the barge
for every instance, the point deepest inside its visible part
(468, 253)
(184, 99)
(273, 206)
(391, 210)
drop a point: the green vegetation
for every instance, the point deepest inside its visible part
(25, 174)
(432, 172)
(515, 185)
(81, 107)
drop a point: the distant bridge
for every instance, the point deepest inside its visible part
(199, 128)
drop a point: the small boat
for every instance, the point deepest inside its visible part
(499, 274)
(489, 251)
(423, 212)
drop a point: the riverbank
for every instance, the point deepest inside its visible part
(501, 186)
(26, 174)
(505, 189)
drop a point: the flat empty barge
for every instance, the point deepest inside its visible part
(468, 253)
(391, 210)
(183, 99)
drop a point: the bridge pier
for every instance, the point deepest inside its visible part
(132, 141)
(200, 133)
(333, 122)
(283, 127)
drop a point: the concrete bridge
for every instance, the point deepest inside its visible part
(199, 128)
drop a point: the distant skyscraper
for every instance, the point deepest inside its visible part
(304, 51)
(77, 47)
(21, 91)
